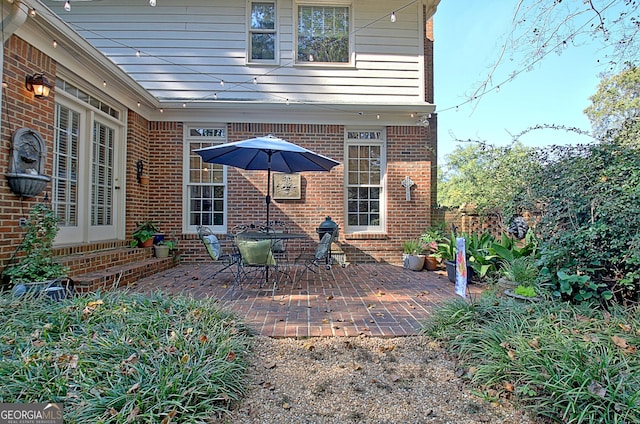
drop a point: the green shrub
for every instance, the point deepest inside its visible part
(588, 197)
(522, 271)
(569, 363)
(118, 357)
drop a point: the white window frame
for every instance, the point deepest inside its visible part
(274, 31)
(109, 113)
(337, 3)
(204, 141)
(381, 142)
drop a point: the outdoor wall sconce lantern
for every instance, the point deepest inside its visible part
(139, 168)
(39, 85)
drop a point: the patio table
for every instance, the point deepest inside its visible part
(275, 238)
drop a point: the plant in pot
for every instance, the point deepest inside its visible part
(412, 257)
(447, 253)
(164, 247)
(144, 234)
(429, 241)
(36, 270)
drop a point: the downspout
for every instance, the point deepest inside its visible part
(13, 16)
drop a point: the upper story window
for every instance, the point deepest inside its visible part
(323, 33)
(262, 32)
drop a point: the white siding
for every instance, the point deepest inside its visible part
(187, 49)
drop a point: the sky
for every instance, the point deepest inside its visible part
(468, 36)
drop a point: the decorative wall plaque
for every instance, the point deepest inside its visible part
(286, 186)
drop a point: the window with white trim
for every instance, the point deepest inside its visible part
(206, 183)
(262, 32)
(365, 166)
(323, 33)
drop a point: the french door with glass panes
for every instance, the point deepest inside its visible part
(87, 185)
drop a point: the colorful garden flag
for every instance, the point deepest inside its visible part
(461, 268)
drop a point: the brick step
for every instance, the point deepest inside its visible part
(122, 275)
(80, 263)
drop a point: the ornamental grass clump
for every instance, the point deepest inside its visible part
(570, 363)
(121, 357)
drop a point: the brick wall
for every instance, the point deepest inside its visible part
(20, 109)
(411, 152)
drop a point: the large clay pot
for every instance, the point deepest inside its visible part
(414, 262)
(430, 263)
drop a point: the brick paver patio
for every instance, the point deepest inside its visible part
(369, 299)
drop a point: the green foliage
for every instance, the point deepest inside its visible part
(589, 196)
(615, 102)
(37, 264)
(412, 247)
(120, 357)
(522, 271)
(143, 232)
(511, 348)
(526, 291)
(485, 176)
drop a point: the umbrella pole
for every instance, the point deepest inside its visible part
(268, 201)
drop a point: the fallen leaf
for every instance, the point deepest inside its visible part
(185, 358)
(167, 419)
(325, 321)
(203, 339)
(620, 342)
(94, 303)
(286, 405)
(132, 359)
(133, 388)
(625, 327)
(73, 362)
(511, 354)
(133, 414)
(270, 365)
(38, 343)
(535, 344)
(357, 367)
(113, 412)
(309, 345)
(394, 377)
(231, 356)
(329, 297)
(380, 293)
(508, 387)
(597, 389)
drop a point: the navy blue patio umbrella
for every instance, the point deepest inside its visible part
(267, 153)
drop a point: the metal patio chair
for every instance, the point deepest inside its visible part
(222, 252)
(256, 262)
(321, 257)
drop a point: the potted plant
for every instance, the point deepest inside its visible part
(144, 234)
(429, 242)
(447, 253)
(164, 247)
(412, 258)
(36, 270)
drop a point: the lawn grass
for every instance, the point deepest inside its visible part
(118, 357)
(574, 364)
